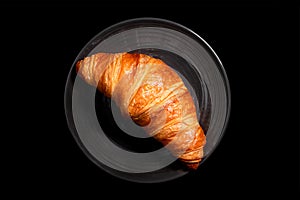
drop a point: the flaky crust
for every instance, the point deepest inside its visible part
(153, 95)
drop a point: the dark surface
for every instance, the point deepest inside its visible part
(258, 44)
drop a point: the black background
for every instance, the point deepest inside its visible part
(258, 43)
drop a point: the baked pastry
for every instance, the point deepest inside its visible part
(153, 95)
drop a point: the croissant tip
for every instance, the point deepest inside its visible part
(78, 64)
(192, 166)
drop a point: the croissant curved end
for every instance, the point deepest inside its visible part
(193, 166)
(78, 65)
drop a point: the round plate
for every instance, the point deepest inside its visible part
(115, 143)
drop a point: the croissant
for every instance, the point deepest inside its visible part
(153, 95)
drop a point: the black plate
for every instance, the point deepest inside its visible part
(89, 113)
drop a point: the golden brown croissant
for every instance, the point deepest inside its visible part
(153, 95)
